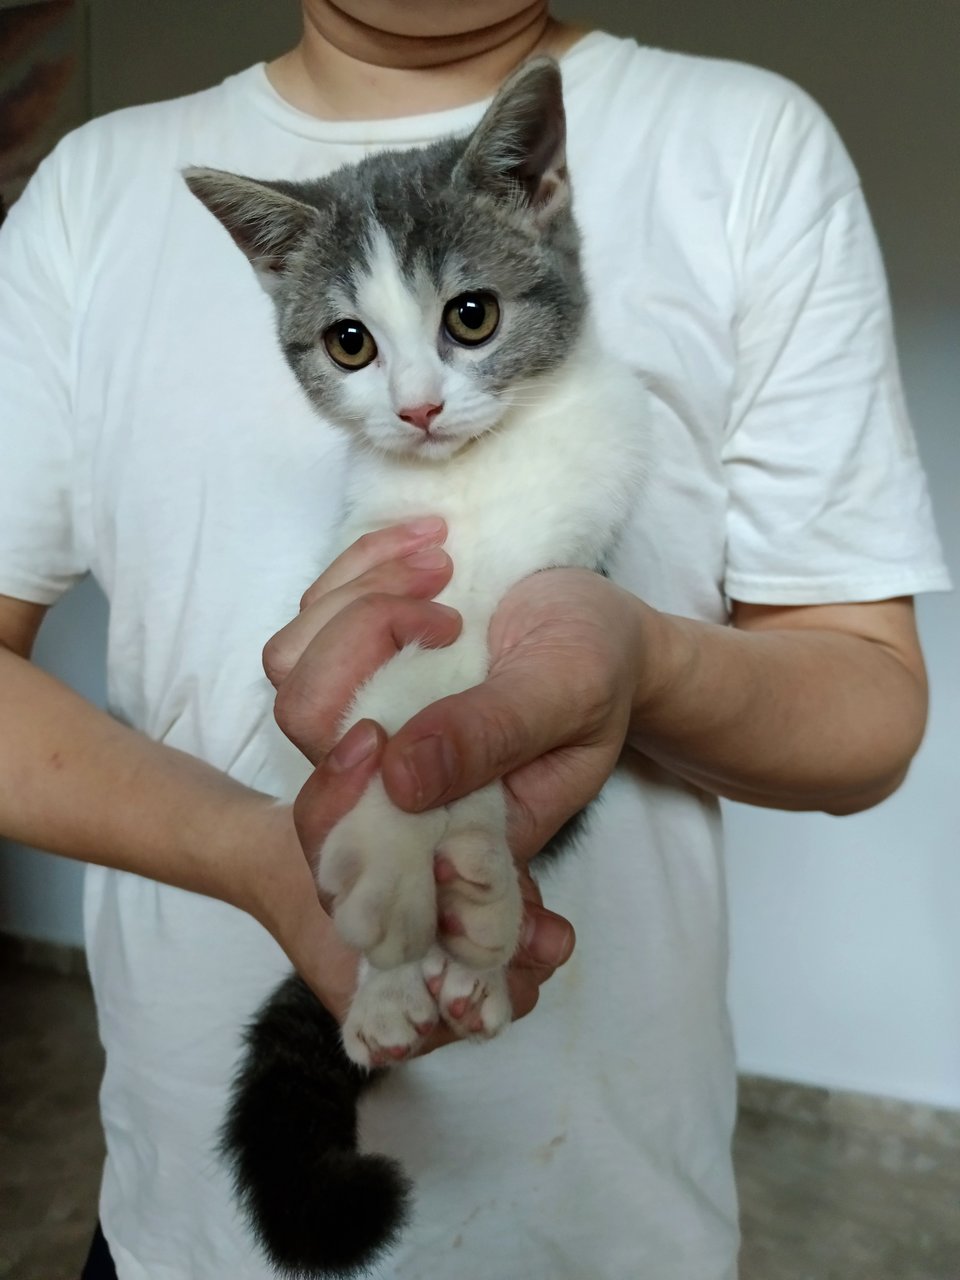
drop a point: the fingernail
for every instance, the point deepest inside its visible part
(427, 526)
(548, 939)
(430, 766)
(431, 558)
(357, 745)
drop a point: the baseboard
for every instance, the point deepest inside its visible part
(810, 1105)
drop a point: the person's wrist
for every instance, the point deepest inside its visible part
(664, 657)
(267, 853)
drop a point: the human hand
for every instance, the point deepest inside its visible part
(376, 597)
(369, 603)
(550, 719)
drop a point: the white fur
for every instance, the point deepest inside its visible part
(395, 1010)
(551, 484)
(392, 1014)
(405, 318)
(405, 321)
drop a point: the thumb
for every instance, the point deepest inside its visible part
(461, 743)
(336, 785)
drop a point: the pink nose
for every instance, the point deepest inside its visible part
(421, 416)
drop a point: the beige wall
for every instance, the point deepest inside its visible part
(141, 52)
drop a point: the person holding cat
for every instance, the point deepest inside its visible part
(754, 639)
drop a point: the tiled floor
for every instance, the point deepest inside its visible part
(833, 1188)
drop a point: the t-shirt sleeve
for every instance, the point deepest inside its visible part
(39, 556)
(827, 498)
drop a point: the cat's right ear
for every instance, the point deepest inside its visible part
(518, 150)
(266, 223)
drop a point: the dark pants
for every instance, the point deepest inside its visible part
(99, 1264)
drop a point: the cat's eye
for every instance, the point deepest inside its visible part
(471, 318)
(349, 344)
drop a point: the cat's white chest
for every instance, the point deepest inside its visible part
(552, 486)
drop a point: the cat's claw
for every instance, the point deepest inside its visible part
(391, 1016)
(473, 1003)
(478, 896)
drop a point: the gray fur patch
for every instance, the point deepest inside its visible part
(488, 212)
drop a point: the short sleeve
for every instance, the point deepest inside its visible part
(39, 557)
(828, 501)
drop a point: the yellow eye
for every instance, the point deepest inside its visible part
(349, 344)
(471, 318)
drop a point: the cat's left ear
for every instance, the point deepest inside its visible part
(265, 222)
(518, 150)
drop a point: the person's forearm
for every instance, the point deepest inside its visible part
(75, 781)
(789, 719)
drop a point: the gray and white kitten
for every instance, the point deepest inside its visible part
(431, 303)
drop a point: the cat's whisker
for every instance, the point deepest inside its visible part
(532, 396)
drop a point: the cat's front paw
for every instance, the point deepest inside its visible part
(377, 866)
(474, 1003)
(478, 896)
(392, 1014)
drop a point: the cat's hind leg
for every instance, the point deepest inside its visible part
(478, 893)
(395, 1010)
(378, 862)
(377, 865)
(392, 1014)
(475, 1003)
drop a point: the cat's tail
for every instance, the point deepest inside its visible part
(318, 1207)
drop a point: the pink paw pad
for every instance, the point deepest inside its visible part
(474, 1004)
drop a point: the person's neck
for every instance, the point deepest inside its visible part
(345, 70)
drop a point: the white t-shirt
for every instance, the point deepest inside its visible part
(151, 433)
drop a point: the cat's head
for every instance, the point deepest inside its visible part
(418, 291)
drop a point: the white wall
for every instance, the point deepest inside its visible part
(39, 893)
(845, 932)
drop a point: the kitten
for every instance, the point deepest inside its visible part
(431, 303)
